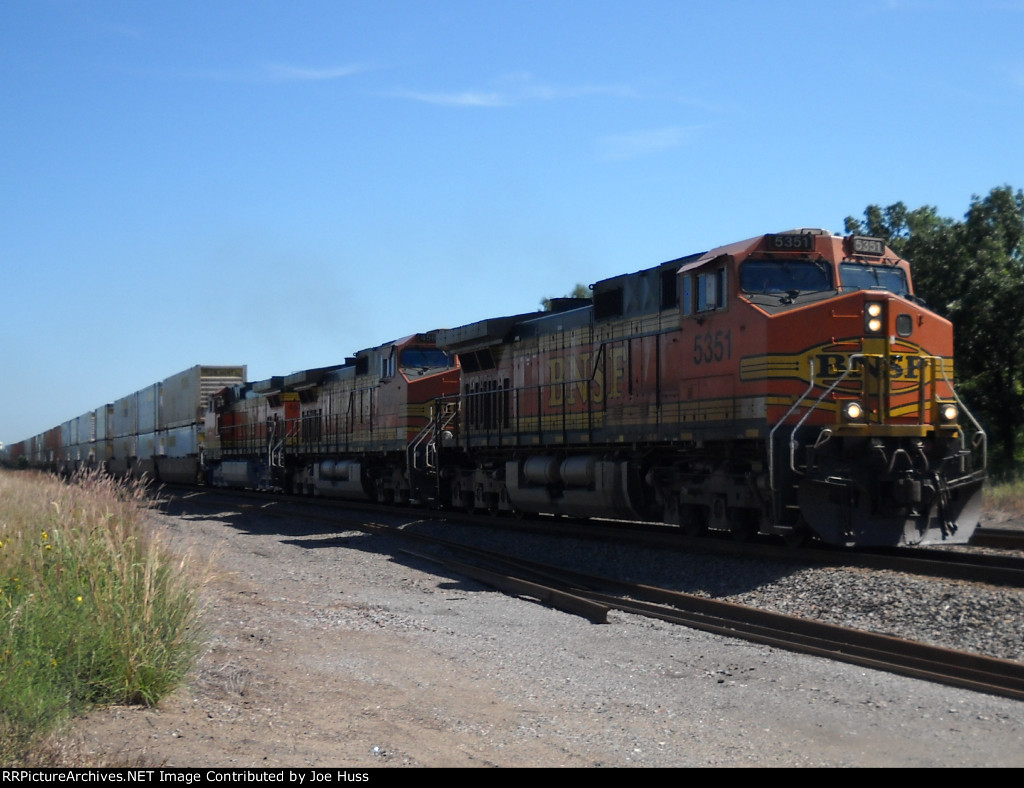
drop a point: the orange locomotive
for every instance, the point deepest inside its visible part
(360, 430)
(789, 384)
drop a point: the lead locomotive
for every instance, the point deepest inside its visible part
(789, 384)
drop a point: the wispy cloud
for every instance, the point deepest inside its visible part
(466, 98)
(636, 144)
(277, 73)
(514, 90)
(281, 72)
(526, 88)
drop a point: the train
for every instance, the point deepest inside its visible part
(790, 385)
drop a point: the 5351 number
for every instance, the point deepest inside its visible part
(712, 346)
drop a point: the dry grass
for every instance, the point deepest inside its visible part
(93, 609)
(1006, 497)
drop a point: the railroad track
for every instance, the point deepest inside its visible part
(593, 597)
(998, 537)
(952, 564)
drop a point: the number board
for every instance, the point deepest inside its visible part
(872, 247)
(791, 242)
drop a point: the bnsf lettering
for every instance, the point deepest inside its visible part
(832, 365)
(579, 384)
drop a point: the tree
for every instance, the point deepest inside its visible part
(972, 272)
(580, 291)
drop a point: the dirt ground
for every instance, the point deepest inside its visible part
(277, 688)
(266, 694)
(270, 691)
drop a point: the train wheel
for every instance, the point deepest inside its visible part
(693, 519)
(743, 524)
(799, 536)
(461, 502)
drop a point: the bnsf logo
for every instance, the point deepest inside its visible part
(906, 367)
(833, 365)
(573, 379)
(903, 373)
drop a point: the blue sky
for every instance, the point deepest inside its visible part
(280, 184)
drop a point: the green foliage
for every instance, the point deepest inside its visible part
(1006, 496)
(92, 611)
(972, 272)
(580, 291)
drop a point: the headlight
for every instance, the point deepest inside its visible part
(948, 413)
(873, 317)
(853, 411)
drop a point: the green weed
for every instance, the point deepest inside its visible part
(93, 610)
(1006, 496)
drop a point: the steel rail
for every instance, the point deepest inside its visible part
(998, 537)
(936, 664)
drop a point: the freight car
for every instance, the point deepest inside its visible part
(154, 433)
(790, 384)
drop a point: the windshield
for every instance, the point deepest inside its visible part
(424, 358)
(857, 276)
(784, 276)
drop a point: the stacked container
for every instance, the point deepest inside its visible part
(156, 432)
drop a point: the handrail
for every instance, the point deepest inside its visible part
(817, 402)
(437, 421)
(792, 442)
(771, 434)
(979, 430)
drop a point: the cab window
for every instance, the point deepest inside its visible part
(784, 276)
(703, 292)
(424, 358)
(857, 276)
